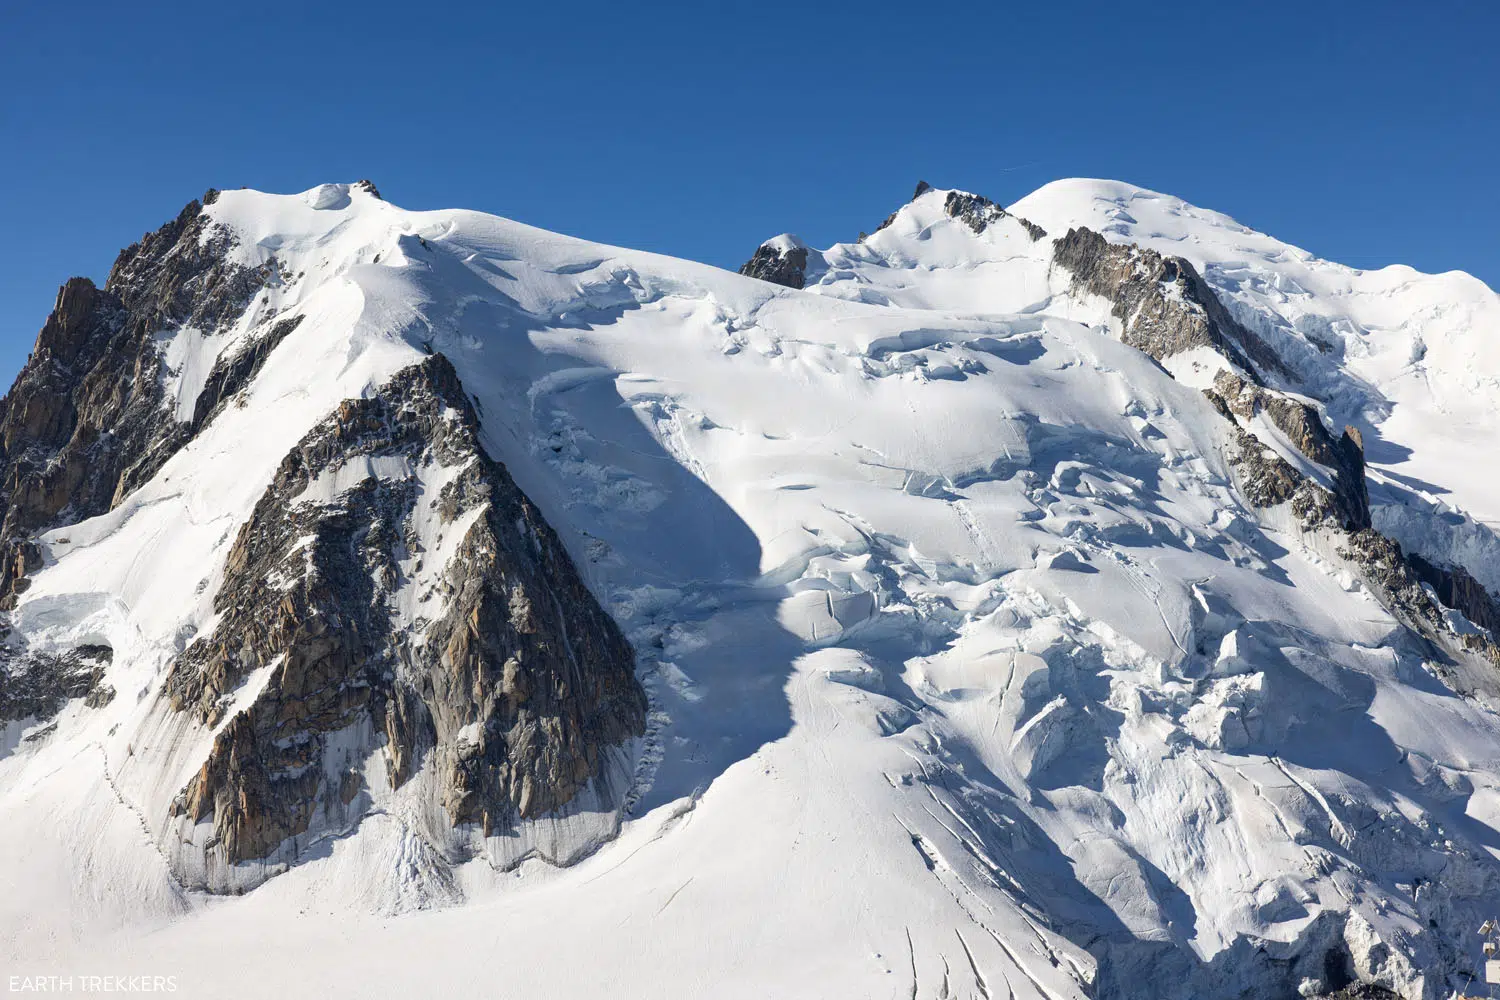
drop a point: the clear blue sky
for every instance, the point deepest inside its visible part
(1366, 132)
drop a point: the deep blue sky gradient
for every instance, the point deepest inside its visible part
(1366, 132)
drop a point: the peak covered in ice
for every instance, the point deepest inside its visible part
(1005, 583)
(785, 243)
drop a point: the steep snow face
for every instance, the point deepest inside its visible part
(971, 669)
(925, 258)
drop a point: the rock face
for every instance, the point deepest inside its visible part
(1457, 589)
(395, 592)
(1364, 991)
(1268, 480)
(1351, 494)
(782, 263)
(1165, 308)
(1304, 428)
(84, 423)
(36, 685)
(230, 375)
(1163, 305)
(978, 212)
(425, 612)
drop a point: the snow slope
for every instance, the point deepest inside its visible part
(1411, 359)
(971, 671)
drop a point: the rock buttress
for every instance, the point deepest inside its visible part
(427, 610)
(85, 423)
(1163, 305)
(86, 420)
(1304, 428)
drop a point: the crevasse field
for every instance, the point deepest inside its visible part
(972, 673)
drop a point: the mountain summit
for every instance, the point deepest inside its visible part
(1083, 598)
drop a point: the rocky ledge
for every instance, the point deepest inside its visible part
(1395, 577)
(1363, 991)
(1456, 588)
(35, 685)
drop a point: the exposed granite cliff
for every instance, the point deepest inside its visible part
(1267, 480)
(1163, 305)
(1166, 308)
(84, 423)
(1458, 589)
(87, 420)
(426, 612)
(428, 609)
(1305, 430)
(234, 372)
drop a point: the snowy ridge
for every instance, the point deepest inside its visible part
(972, 670)
(1408, 356)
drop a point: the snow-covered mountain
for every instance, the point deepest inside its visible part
(1086, 598)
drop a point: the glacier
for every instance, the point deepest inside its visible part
(973, 665)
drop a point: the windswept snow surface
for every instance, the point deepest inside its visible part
(971, 673)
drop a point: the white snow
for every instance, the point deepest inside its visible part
(970, 672)
(1411, 358)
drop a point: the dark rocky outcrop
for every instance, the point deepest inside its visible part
(1267, 480)
(1162, 303)
(1351, 494)
(1160, 325)
(1304, 428)
(782, 267)
(1363, 991)
(1389, 572)
(84, 423)
(973, 210)
(514, 686)
(1299, 421)
(37, 685)
(230, 375)
(1458, 589)
(978, 213)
